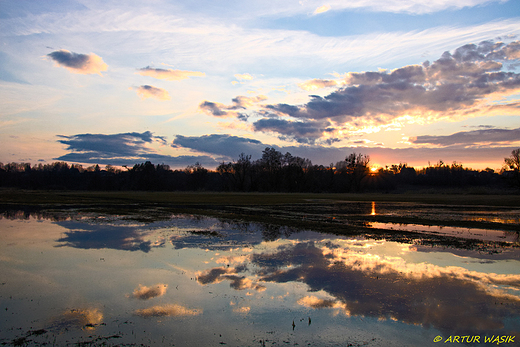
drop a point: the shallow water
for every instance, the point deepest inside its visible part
(71, 277)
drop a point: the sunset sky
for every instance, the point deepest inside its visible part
(178, 82)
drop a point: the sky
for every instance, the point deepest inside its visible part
(180, 82)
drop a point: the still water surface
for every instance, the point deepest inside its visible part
(79, 277)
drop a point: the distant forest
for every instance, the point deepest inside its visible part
(273, 172)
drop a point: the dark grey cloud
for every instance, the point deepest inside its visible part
(123, 149)
(454, 81)
(455, 85)
(223, 145)
(220, 274)
(215, 109)
(70, 59)
(303, 132)
(239, 103)
(125, 144)
(474, 137)
(174, 162)
(231, 147)
(78, 62)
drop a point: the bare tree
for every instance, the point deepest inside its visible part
(513, 161)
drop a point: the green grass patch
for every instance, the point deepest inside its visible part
(43, 198)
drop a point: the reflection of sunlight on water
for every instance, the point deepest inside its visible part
(466, 233)
(493, 219)
(373, 213)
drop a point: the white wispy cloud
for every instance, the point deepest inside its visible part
(169, 74)
(322, 9)
(147, 91)
(244, 76)
(209, 41)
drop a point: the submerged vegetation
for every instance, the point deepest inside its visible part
(273, 172)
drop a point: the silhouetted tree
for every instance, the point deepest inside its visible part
(268, 169)
(513, 162)
(356, 166)
(197, 176)
(243, 173)
(274, 171)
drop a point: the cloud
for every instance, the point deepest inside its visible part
(317, 84)
(457, 85)
(219, 274)
(167, 311)
(212, 275)
(145, 293)
(125, 144)
(357, 283)
(107, 237)
(86, 318)
(396, 6)
(322, 9)
(242, 310)
(300, 131)
(216, 43)
(124, 149)
(392, 6)
(79, 63)
(226, 145)
(238, 103)
(243, 77)
(147, 91)
(475, 137)
(316, 303)
(231, 146)
(169, 74)
(180, 161)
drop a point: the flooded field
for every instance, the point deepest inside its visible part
(374, 274)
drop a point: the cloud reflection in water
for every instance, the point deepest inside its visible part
(108, 236)
(145, 293)
(87, 319)
(360, 283)
(167, 310)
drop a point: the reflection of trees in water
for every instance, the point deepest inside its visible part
(27, 214)
(115, 228)
(274, 232)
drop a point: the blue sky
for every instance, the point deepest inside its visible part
(176, 82)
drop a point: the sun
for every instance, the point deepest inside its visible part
(373, 169)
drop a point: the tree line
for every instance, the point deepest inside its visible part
(273, 172)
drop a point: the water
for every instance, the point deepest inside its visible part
(90, 278)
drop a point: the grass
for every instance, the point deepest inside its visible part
(80, 198)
